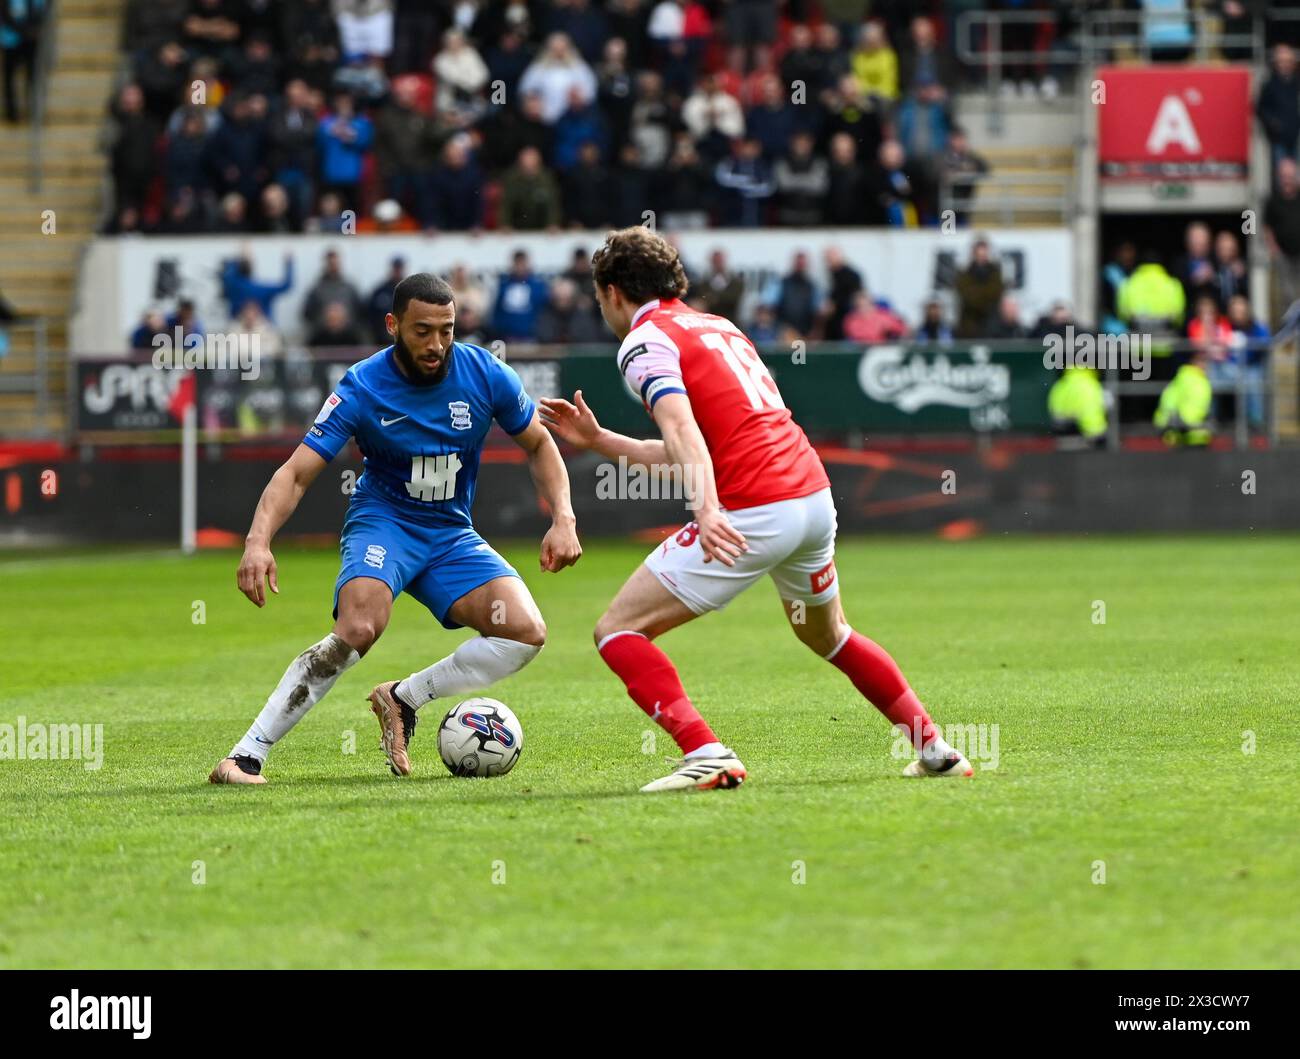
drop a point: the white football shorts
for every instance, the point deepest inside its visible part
(793, 541)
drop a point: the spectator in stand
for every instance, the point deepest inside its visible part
(329, 217)
(336, 327)
(365, 28)
(264, 335)
(875, 64)
(713, 118)
(1058, 318)
(565, 320)
(291, 134)
(1113, 276)
(237, 150)
(311, 38)
(530, 196)
(380, 302)
(331, 286)
(869, 321)
(470, 291)
(582, 22)
(750, 29)
(889, 191)
(631, 188)
(520, 297)
(616, 91)
(212, 28)
(774, 120)
(684, 190)
(1230, 278)
(1195, 269)
(457, 189)
(580, 124)
(652, 121)
(461, 74)
(852, 112)
(934, 325)
(343, 138)
(152, 323)
(746, 186)
(1007, 324)
(255, 70)
(764, 330)
(509, 132)
(963, 167)
(721, 289)
(1183, 413)
(508, 58)
(407, 141)
(387, 216)
(830, 57)
(1209, 332)
(185, 317)
(923, 66)
(1278, 105)
(232, 214)
(187, 156)
(803, 180)
(1282, 230)
(134, 158)
(796, 298)
(21, 22)
(1248, 352)
(554, 75)
(845, 283)
(587, 190)
(979, 290)
(470, 327)
(162, 78)
(846, 196)
(922, 122)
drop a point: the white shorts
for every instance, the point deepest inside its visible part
(792, 540)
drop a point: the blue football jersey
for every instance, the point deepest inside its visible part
(421, 443)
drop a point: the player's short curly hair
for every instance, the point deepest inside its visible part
(641, 263)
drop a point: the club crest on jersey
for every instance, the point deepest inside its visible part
(459, 414)
(490, 727)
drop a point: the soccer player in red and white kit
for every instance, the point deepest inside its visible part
(762, 506)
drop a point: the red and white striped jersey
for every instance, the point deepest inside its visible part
(760, 455)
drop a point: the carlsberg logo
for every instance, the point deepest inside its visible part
(888, 374)
(77, 1012)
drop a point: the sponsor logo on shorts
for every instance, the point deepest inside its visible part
(375, 555)
(459, 414)
(823, 579)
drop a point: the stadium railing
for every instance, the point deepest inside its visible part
(27, 374)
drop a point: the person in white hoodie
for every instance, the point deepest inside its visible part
(460, 71)
(554, 74)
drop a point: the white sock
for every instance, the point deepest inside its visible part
(304, 683)
(707, 750)
(475, 664)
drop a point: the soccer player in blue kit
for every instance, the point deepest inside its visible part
(420, 411)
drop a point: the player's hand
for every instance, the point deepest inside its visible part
(560, 546)
(718, 538)
(574, 423)
(256, 570)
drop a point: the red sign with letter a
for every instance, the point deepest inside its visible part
(1173, 122)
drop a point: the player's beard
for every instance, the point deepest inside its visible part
(414, 373)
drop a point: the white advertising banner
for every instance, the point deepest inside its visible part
(123, 277)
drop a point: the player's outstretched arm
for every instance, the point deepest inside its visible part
(279, 500)
(575, 423)
(718, 538)
(560, 546)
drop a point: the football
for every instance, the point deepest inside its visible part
(480, 737)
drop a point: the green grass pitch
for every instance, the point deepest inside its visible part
(1156, 751)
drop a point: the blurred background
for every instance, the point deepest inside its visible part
(928, 216)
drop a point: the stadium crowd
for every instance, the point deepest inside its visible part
(252, 116)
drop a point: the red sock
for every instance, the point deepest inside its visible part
(654, 685)
(878, 677)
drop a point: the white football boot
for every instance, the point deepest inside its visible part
(954, 765)
(720, 772)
